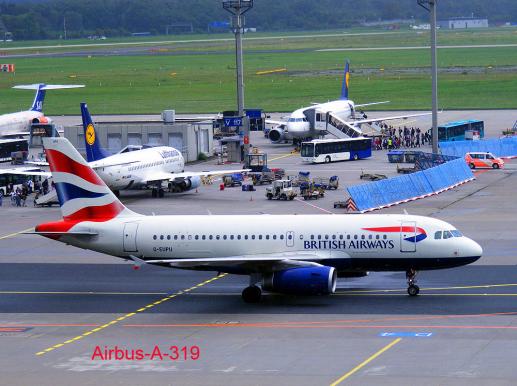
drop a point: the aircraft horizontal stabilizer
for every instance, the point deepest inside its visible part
(70, 233)
(41, 86)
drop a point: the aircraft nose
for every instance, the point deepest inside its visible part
(473, 249)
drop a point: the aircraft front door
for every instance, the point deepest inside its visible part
(129, 235)
(408, 236)
(289, 238)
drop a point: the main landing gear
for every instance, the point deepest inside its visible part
(253, 293)
(158, 192)
(412, 288)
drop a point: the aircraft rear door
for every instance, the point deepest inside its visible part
(408, 236)
(130, 230)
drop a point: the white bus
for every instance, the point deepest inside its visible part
(329, 150)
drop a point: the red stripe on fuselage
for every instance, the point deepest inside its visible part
(395, 229)
(60, 162)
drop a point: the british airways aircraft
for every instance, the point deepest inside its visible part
(16, 124)
(291, 254)
(312, 121)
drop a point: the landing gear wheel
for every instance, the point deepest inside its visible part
(161, 193)
(252, 294)
(413, 290)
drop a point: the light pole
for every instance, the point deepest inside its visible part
(238, 8)
(430, 5)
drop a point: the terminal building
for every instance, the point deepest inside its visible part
(190, 139)
(463, 23)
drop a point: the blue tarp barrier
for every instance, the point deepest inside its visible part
(406, 187)
(504, 147)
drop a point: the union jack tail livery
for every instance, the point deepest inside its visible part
(82, 195)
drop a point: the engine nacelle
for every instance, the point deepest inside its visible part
(41, 120)
(277, 134)
(185, 184)
(302, 281)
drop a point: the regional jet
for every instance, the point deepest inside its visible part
(288, 254)
(338, 117)
(18, 124)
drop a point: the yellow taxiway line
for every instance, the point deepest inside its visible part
(365, 362)
(16, 233)
(123, 317)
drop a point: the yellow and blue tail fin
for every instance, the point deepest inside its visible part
(94, 150)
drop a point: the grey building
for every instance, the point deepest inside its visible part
(189, 139)
(463, 23)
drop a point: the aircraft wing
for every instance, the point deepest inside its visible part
(162, 176)
(269, 262)
(370, 120)
(26, 172)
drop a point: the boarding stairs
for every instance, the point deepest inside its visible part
(47, 199)
(341, 129)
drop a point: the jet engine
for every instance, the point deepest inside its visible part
(277, 134)
(185, 184)
(302, 281)
(41, 120)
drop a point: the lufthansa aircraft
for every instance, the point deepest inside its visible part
(291, 254)
(299, 125)
(16, 124)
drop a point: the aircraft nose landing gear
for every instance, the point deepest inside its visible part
(412, 288)
(252, 294)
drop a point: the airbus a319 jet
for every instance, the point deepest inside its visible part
(291, 254)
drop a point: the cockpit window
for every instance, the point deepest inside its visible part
(456, 233)
(447, 234)
(438, 235)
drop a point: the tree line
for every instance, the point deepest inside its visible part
(48, 19)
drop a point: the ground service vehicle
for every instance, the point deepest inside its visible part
(310, 191)
(327, 183)
(483, 160)
(281, 190)
(455, 131)
(329, 150)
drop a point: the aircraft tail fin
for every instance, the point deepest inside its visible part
(346, 79)
(82, 194)
(41, 88)
(94, 150)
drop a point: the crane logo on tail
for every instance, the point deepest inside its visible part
(90, 134)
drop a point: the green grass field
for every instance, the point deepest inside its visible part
(487, 77)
